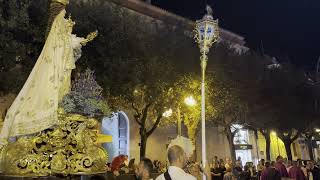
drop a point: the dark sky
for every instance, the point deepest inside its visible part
(288, 29)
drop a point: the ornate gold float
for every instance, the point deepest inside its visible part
(71, 147)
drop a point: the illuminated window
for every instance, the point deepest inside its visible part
(241, 137)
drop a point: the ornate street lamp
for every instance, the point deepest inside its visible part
(206, 33)
(190, 101)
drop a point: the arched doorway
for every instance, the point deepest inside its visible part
(118, 127)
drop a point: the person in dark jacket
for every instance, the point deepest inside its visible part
(245, 174)
(237, 170)
(313, 172)
(270, 172)
(218, 171)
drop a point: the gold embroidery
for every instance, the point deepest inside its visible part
(51, 79)
(48, 59)
(31, 113)
(33, 84)
(17, 112)
(70, 147)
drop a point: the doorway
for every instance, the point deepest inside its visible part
(119, 128)
(245, 156)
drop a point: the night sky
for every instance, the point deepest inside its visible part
(288, 29)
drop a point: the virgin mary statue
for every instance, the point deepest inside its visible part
(36, 106)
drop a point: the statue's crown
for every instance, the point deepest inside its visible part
(64, 2)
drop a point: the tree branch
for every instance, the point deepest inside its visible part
(281, 136)
(288, 137)
(136, 109)
(145, 114)
(155, 125)
(138, 121)
(295, 136)
(265, 132)
(137, 114)
(289, 134)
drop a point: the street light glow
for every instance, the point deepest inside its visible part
(190, 101)
(167, 113)
(317, 130)
(273, 133)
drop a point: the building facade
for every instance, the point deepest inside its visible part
(249, 145)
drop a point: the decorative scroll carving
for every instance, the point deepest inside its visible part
(68, 148)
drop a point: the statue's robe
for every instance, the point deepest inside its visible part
(36, 106)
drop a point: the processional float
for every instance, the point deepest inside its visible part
(38, 137)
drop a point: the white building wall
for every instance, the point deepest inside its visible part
(158, 141)
(303, 148)
(156, 144)
(217, 144)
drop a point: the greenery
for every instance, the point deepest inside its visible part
(85, 97)
(22, 29)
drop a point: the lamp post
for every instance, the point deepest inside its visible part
(206, 33)
(189, 101)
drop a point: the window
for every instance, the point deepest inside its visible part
(241, 137)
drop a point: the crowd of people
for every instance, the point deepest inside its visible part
(179, 168)
(274, 170)
(286, 169)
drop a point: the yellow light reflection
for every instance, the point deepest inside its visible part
(167, 113)
(190, 101)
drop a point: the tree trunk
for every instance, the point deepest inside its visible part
(310, 147)
(287, 145)
(256, 142)
(268, 142)
(230, 137)
(266, 135)
(143, 141)
(288, 138)
(143, 145)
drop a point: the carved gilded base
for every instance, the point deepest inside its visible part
(68, 148)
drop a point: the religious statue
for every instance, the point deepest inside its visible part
(38, 138)
(36, 106)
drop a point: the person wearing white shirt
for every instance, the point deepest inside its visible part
(178, 160)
